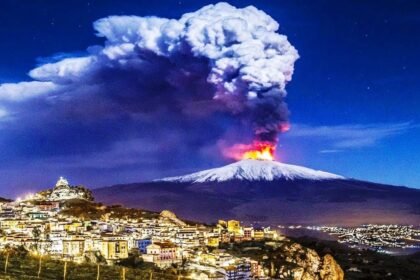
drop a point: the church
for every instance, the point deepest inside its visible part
(63, 191)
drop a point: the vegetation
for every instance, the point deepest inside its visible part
(366, 264)
(92, 211)
(87, 193)
(22, 266)
(45, 193)
(272, 255)
(2, 199)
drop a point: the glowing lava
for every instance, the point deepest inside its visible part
(263, 151)
(257, 150)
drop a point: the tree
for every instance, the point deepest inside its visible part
(134, 259)
(36, 233)
(184, 262)
(87, 194)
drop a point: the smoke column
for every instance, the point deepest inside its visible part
(249, 62)
(232, 57)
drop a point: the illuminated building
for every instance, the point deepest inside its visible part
(114, 248)
(234, 226)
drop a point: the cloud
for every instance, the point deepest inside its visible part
(25, 90)
(64, 71)
(329, 151)
(3, 113)
(175, 86)
(342, 137)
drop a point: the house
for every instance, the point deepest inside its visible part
(73, 227)
(213, 241)
(73, 247)
(234, 227)
(216, 258)
(187, 237)
(238, 271)
(270, 234)
(248, 233)
(37, 215)
(208, 276)
(257, 270)
(142, 245)
(113, 247)
(162, 254)
(7, 212)
(259, 234)
(12, 224)
(48, 205)
(56, 238)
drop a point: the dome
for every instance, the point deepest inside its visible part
(62, 182)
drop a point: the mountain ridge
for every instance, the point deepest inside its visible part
(253, 170)
(326, 200)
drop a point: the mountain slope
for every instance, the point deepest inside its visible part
(271, 193)
(254, 170)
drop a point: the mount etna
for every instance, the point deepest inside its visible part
(268, 193)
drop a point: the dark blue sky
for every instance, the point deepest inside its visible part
(353, 99)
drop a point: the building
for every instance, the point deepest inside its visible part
(234, 227)
(162, 254)
(238, 271)
(63, 191)
(270, 234)
(38, 215)
(113, 248)
(73, 247)
(258, 234)
(142, 245)
(48, 206)
(213, 241)
(12, 224)
(257, 270)
(73, 227)
(248, 233)
(188, 237)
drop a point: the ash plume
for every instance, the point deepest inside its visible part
(153, 76)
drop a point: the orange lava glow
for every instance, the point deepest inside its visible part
(261, 151)
(258, 150)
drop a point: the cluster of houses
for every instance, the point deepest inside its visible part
(37, 224)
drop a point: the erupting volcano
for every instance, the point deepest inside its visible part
(270, 192)
(259, 150)
(262, 151)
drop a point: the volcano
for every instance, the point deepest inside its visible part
(254, 170)
(269, 193)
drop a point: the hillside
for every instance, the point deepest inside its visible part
(287, 197)
(88, 210)
(366, 264)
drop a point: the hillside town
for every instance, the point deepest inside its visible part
(41, 223)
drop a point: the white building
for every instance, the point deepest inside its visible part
(63, 191)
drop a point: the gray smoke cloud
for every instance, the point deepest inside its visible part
(232, 60)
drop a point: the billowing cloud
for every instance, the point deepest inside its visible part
(181, 84)
(25, 90)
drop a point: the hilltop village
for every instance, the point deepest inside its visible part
(65, 223)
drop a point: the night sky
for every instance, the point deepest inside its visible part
(353, 100)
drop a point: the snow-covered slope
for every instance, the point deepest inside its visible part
(254, 170)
